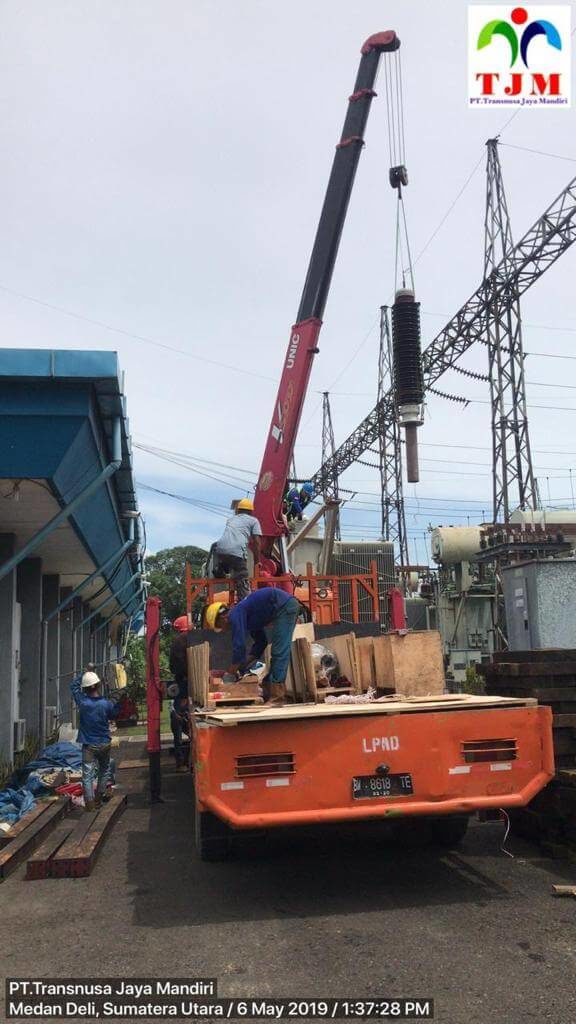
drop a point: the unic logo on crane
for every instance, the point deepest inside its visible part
(533, 69)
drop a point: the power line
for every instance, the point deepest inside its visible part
(539, 152)
(204, 506)
(133, 336)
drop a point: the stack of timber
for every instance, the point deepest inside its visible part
(29, 832)
(550, 676)
(76, 856)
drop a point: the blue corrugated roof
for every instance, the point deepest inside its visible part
(100, 370)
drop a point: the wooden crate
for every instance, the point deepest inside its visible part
(412, 664)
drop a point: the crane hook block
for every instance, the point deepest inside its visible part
(408, 377)
(398, 176)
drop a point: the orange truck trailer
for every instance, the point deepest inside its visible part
(436, 759)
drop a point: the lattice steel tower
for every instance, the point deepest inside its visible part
(390, 451)
(330, 490)
(514, 484)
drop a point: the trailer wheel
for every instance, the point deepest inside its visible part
(449, 831)
(212, 836)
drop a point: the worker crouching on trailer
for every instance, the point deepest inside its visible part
(268, 607)
(95, 713)
(232, 548)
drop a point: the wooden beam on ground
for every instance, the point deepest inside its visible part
(29, 837)
(23, 823)
(564, 890)
(40, 863)
(77, 856)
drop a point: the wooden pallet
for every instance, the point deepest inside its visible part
(40, 863)
(34, 828)
(77, 856)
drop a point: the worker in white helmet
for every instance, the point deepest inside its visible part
(95, 714)
(241, 530)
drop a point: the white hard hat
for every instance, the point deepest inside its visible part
(89, 679)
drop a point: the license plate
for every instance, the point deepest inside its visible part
(374, 787)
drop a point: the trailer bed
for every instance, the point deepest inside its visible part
(409, 705)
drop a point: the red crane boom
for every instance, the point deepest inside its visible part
(302, 346)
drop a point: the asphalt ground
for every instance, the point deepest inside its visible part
(321, 913)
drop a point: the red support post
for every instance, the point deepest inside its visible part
(397, 610)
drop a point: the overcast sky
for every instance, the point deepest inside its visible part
(164, 165)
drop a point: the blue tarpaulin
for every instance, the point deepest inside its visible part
(57, 755)
(18, 799)
(14, 803)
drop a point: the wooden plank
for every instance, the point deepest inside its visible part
(19, 826)
(354, 656)
(460, 702)
(567, 776)
(382, 665)
(213, 703)
(564, 890)
(547, 654)
(365, 647)
(40, 863)
(198, 661)
(29, 838)
(304, 630)
(77, 856)
(308, 670)
(564, 741)
(413, 665)
(564, 721)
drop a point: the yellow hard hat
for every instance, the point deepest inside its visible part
(212, 612)
(245, 505)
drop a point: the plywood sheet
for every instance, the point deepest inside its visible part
(341, 649)
(305, 654)
(365, 646)
(264, 713)
(412, 665)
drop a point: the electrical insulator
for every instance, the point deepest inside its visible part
(408, 379)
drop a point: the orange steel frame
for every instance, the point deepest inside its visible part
(358, 583)
(328, 752)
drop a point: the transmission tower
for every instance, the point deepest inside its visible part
(390, 451)
(513, 479)
(330, 491)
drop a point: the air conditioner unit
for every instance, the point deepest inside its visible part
(50, 719)
(19, 734)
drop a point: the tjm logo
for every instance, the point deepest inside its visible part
(519, 56)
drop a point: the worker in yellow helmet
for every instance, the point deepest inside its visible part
(268, 608)
(241, 530)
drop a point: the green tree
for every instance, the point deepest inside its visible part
(166, 572)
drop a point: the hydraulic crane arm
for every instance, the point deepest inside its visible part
(550, 236)
(302, 345)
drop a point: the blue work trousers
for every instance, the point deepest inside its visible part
(282, 628)
(96, 769)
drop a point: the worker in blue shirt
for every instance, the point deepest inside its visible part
(95, 714)
(295, 501)
(266, 607)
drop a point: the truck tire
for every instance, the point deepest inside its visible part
(212, 836)
(450, 830)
